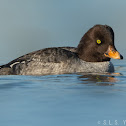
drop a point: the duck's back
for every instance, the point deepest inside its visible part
(45, 61)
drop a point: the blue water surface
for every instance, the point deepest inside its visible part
(64, 100)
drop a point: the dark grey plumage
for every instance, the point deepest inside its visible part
(53, 61)
(44, 58)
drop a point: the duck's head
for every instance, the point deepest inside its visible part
(97, 45)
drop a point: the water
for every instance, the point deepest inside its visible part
(64, 100)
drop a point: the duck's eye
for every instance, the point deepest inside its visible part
(99, 41)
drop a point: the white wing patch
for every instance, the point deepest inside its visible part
(14, 64)
(17, 63)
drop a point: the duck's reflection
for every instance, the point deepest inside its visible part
(102, 80)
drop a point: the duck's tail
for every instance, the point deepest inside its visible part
(5, 70)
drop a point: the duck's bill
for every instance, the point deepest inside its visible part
(113, 53)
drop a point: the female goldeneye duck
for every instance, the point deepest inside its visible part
(93, 55)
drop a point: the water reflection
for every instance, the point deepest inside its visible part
(102, 80)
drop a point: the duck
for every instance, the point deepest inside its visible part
(92, 55)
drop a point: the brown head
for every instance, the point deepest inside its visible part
(97, 45)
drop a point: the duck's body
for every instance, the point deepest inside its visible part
(89, 56)
(53, 61)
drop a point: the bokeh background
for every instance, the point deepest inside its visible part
(29, 25)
